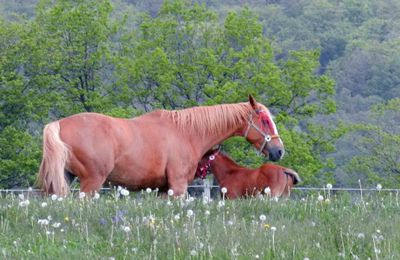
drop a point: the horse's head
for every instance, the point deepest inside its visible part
(204, 165)
(262, 132)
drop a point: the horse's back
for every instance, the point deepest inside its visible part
(93, 137)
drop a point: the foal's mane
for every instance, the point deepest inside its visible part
(204, 120)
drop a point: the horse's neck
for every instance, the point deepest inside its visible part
(208, 126)
(223, 167)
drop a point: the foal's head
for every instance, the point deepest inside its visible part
(262, 132)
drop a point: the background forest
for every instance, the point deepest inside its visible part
(329, 70)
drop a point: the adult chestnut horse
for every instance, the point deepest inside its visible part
(241, 181)
(158, 149)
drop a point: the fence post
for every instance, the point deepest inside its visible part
(207, 190)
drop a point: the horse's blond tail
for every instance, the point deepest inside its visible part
(51, 177)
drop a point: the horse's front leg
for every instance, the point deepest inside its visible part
(178, 179)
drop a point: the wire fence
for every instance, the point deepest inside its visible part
(218, 187)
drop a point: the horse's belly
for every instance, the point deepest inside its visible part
(136, 179)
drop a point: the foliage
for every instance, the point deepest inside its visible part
(379, 147)
(123, 58)
(147, 227)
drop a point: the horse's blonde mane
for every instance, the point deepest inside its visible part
(205, 120)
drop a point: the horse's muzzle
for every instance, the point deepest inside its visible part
(275, 153)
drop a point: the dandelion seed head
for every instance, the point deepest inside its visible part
(320, 198)
(24, 203)
(21, 196)
(224, 190)
(262, 217)
(126, 229)
(273, 229)
(43, 222)
(193, 253)
(207, 212)
(221, 203)
(189, 213)
(44, 204)
(82, 195)
(54, 197)
(56, 225)
(329, 186)
(360, 235)
(170, 192)
(267, 190)
(379, 187)
(148, 190)
(96, 196)
(124, 192)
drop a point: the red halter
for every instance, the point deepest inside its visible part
(203, 168)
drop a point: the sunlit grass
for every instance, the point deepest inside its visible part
(144, 226)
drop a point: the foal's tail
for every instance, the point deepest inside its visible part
(55, 156)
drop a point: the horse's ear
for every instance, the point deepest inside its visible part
(253, 102)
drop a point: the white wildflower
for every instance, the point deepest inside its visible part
(170, 192)
(82, 195)
(189, 213)
(126, 229)
(124, 192)
(96, 196)
(56, 225)
(24, 203)
(43, 222)
(360, 235)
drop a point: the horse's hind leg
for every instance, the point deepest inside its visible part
(91, 178)
(92, 184)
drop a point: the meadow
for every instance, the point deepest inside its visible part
(123, 225)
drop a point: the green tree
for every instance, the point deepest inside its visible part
(378, 147)
(184, 57)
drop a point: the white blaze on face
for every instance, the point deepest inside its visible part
(274, 128)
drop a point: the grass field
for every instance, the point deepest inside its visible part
(144, 226)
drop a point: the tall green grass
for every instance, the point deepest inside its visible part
(144, 226)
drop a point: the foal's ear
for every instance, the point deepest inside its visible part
(253, 102)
